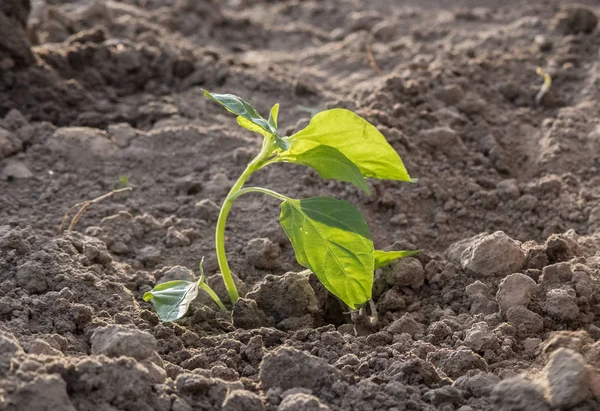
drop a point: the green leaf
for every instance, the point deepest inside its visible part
(356, 138)
(248, 125)
(329, 162)
(273, 116)
(383, 258)
(331, 238)
(242, 108)
(172, 299)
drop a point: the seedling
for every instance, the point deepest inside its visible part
(330, 237)
(545, 86)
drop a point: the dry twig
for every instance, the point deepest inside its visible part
(84, 206)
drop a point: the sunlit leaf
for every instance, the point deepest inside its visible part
(356, 138)
(331, 238)
(242, 108)
(329, 163)
(273, 116)
(172, 299)
(249, 118)
(383, 258)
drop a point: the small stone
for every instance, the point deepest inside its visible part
(518, 393)
(455, 363)
(445, 140)
(525, 320)
(392, 301)
(568, 378)
(575, 19)
(481, 298)
(289, 368)
(489, 254)
(242, 400)
(406, 272)
(9, 345)
(16, 170)
(176, 238)
(384, 30)
(262, 253)
(406, 324)
(283, 297)
(82, 144)
(117, 341)
(246, 315)
(561, 305)
(123, 134)
(31, 276)
(556, 274)
(516, 289)
(44, 393)
(302, 402)
(207, 210)
(450, 94)
(477, 383)
(444, 395)
(41, 347)
(480, 338)
(9, 143)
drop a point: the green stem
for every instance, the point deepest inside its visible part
(212, 294)
(260, 190)
(254, 165)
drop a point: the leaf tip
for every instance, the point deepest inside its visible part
(148, 296)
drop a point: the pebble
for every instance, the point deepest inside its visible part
(16, 170)
(289, 368)
(524, 319)
(515, 289)
(561, 305)
(117, 341)
(407, 272)
(446, 140)
(567, 378)
(518, 393)
(574, 19)
(488, 254)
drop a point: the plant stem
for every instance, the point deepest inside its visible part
(254, 165)
(212, 294)
(260, 190)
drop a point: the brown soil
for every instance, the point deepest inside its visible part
(93, 93)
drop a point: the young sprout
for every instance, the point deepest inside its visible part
(330, 237)
(545, 87)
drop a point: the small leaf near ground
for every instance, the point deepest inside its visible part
(172, 299)
(383, 258)
(329, 162)
(356, 138)
(331, 238)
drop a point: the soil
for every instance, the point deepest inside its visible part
(501, 309)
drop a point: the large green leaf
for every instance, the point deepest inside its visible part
(356, 138)
(172, 299)
(383, 258)
(332, 239)
(329, 162)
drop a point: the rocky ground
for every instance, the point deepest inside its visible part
(501, 309)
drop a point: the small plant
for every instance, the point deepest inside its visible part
(330, 237)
